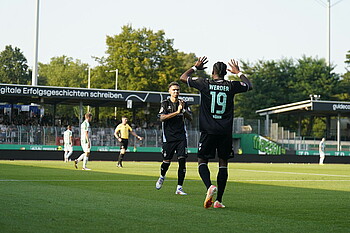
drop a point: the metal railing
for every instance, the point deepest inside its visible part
(50, 135)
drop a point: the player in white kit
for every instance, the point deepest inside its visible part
(85, 140)
(68, 143)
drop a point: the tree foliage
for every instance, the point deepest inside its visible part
(146, 60)
(286, 81)
(63, 71)
(13, 66)
(344, 85)
(314, 76)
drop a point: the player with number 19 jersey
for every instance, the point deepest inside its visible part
(216, 108)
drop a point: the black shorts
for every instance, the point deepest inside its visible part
(209, 144)
(169, 149)
(124, 144)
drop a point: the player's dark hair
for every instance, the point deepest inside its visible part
(173, 84)
(219, 69)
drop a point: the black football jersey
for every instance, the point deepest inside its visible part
(174, 129)
(216, 109)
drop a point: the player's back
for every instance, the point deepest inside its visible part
(66, 136)
(217, 103)
(85, 126)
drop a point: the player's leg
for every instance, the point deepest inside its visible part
(65, 156)
(321, 159)
(85, 160)
(167, 153)
(181, 173)
(164, 167)
(221, 182)
(69, 154)
(205, 175)
(206, 151)
(81, 157)
(181, 150)
(123, 148)
(163, 170)
(121, 157)
(225, 152)
(204, 172)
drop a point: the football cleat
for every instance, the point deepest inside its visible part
(86, 169)
(179, 191)
(159, 183)
(218, 204)
(76, 164)
(209, 198)
(119, 165)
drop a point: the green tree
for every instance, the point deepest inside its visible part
(344, 85)
(13, 66)
(271, 86)
(64, 72)
(146, 60)
(285, 81)
(314, 76)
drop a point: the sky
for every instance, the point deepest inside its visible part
(249, 30)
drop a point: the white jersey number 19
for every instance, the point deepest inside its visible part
(219, 100)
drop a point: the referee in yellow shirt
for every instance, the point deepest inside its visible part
(122, 134)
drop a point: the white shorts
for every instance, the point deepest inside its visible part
(85, 147)
(68, 147)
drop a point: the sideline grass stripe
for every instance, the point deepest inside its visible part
(293, 173)
(169, 180)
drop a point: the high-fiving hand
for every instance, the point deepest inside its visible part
(234, 66)
(200, 63)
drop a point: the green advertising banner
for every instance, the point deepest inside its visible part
(328, 153)
(256, 144)
(78, 148)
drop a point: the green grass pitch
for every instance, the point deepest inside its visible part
(51, 196)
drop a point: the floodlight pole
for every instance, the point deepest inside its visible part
(329, 33)
(116, 88)
(89, 82)
(36, 44)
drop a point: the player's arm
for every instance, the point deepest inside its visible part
(199, 65)
(87, 138)
(71, 139)
(164, 117)
(235, 70)
(117, 134)
(137, 136)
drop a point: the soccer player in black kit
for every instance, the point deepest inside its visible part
(215, 121)
(172, 114)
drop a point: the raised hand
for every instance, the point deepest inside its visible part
(200, 63)
(234, 66)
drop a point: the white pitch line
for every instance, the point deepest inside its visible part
(76, 180)
(293, 173)
(289, 180)
(169, 180)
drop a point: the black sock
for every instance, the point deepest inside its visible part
(164, 168)
(181, 172)
(204, 174)
(120, 159)
(221, 180)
